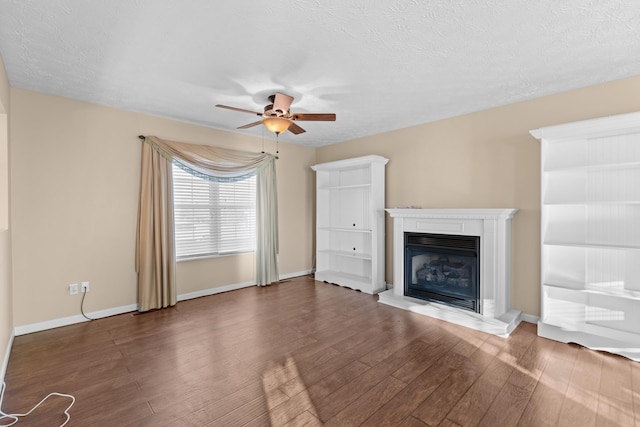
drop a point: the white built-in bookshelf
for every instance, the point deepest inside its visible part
(590, 227)
(350, 223)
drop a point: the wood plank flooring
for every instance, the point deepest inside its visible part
(309, 353)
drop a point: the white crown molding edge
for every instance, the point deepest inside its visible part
(355, 161)
(622, 123)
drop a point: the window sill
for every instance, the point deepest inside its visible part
(201, 257)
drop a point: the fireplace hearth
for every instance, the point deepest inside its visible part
(443, 268)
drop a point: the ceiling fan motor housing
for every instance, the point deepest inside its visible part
(270, 112)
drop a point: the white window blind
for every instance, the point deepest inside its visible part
(213, 218)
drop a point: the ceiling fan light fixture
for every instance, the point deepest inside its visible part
(276, 125)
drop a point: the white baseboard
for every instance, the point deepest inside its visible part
(79, 318)
(233, 287)
(212, 291)
(529, 318)
(296, 274)
(7, 353)
(71, 320)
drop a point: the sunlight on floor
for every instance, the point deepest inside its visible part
(287, 398)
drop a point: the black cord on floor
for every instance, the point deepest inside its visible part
(84, 293)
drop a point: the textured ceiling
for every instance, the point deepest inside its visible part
(379, 65)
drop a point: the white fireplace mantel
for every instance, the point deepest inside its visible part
(493, 226)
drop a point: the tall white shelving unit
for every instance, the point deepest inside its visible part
(350, 223)
(591, 233)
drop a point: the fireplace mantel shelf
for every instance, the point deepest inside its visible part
(452, 213)
(493, 226)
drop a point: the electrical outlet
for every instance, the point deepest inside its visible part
(85, 287)
(73, 289)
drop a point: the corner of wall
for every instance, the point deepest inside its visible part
(7, 353)
(6, 292)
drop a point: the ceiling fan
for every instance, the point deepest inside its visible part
(277, 118)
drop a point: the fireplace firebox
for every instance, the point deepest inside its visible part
(443, 268)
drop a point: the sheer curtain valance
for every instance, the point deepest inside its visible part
(155, 249)
(213, 161)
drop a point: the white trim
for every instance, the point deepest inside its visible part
(353, 162)
(296, 274)
(612, 125)
(448, 214)
(7, 353)
(235, 286)
(626, 344)
(71, 320)
(79, 318)
(213, 291)
(529, 318)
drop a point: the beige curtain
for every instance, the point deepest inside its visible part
(155, 253)
(266, 227)
(155, 250)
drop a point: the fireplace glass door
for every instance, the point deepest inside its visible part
(443, 268)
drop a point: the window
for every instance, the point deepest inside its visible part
(213, 218)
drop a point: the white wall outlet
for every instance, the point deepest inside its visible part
(84, 286)
(73, 289)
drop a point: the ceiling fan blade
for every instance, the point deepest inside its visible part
(315, 117)
(250, 125)
(295, 129)
(282, 102)
(237, 109)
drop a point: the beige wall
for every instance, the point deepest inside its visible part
(75, 177)
(6, 304)
(496, 163)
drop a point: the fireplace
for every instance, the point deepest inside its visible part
(443, 268)
(468, 284)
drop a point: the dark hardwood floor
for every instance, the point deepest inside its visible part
(308, 353)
